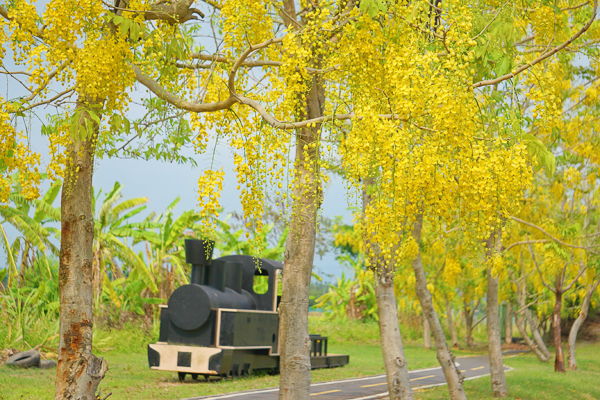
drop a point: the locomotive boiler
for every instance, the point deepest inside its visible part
(226, 322)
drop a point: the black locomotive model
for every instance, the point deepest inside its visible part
(225, 322)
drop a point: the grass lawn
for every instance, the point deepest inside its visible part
(533, 380)
(130, 378)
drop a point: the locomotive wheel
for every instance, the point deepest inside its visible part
(181, 376)
(207, 377)
(194, 377)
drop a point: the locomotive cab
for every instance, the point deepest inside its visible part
(225, 322)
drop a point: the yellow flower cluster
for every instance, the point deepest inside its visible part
(210, 185)
(15, 156)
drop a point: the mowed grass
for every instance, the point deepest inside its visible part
(533, 380)
(130, 378)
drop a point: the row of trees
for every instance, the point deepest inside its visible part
(437, 112)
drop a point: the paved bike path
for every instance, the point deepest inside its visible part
(370, 387)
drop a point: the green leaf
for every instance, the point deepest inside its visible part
(503, 66)
(153, 300)
(413, 12)
(373, 9)
(134, 32)
(125, 25)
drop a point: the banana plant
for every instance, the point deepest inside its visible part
(228, 242)
(110, 226)
(31, 219)
(355, 296)
(164, 260)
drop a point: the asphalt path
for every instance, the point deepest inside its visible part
(371, 387)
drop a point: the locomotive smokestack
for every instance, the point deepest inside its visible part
(198, 252)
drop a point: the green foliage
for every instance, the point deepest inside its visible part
(30, 310)
(355, 296)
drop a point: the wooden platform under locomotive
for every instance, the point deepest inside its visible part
(221, 324)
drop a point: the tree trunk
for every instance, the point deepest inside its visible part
(79, 372)
(294, 381)
(559, 360)
(508, 332)
(444, 355)
(537, 337)
(469, 325)
(426, 332)
(577, 324)
(522, 327)
(499, 387)
(391, 339)
(451, 328)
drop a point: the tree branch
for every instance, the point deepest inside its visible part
(491, 22)
(549, 235)
(553, 290)
(543, 56)
(525, 242)
(581, 271)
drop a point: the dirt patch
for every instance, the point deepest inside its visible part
(589, 330)
(5, 353)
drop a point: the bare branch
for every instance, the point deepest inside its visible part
(491, 22)
(45, 101)
(575, 7)
(581, 271)
(549, 235)
(543, 56)
(526, 242)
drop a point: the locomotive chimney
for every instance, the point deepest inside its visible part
(198, 252)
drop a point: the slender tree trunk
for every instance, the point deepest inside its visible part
(508, 332)
(535, 332)
(522, 301)
(451, 327)
(522, 327)
(294, 383)
(559, 360)
(444, 355)
(499, 387)
(468, 325)
(426, 332)
(577, 324)
(79, 372)
(391, 340)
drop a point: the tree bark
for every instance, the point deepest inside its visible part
(521, 326)
(444, 355)
(468, 324)
(537, 337)
(508, 332)
(294, 381)
(577, 324)
(499, 387)
(559, 360)
(79, 372)
(391, 340)
(426, 332)
(451, 327)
